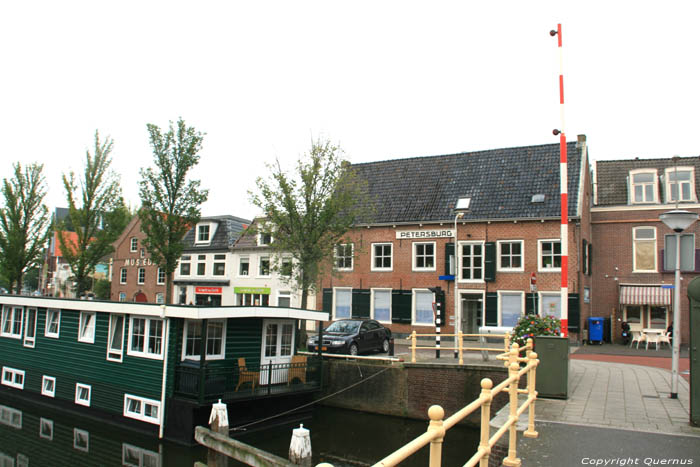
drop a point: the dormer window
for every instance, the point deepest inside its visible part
(643, 186)
(202, 233)
(680, 184)
(264, 239)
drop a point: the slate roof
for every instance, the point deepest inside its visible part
(248, 239)
(228, 231)
(500, 182)
(611, 177)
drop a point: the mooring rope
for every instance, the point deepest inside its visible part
(364, 380)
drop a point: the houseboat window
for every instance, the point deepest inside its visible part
(82, 394)
(132, 455)
(424, 256)
(161, 276)
(46, 429)
(381, 305)
(87, 327)
(215, 339)
(550, 255)
(423, 307)
(12, 322)
(48, 386)
(244, 268)
(13, 377)
(343, 257)
(146, 337)
(141, 408)
(30, 327)
(287, 334)
(142, 276)
(11, 417)
(511, 307)
(342, 303)
(472, 261)
(193, 334)
(116, 338)
(81, 440)
(53, 322)
(271, 340)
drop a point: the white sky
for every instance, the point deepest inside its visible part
(383, 79)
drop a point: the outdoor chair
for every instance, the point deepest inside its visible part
(664, 338)
(245, 375)
(297, 369)
(637, 337)
(653, 338)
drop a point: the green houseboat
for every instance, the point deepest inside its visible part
(156, 368)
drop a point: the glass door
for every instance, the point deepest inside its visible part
(276, 354)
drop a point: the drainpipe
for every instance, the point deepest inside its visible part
(165, 372)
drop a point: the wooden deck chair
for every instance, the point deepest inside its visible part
(245, 375)
(297, 369)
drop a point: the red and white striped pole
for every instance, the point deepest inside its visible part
(563, 180)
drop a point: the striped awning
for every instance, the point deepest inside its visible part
(645, 295)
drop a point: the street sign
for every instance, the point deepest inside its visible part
(533, 282)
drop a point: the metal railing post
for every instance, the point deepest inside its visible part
(413, 347)
(531, 393)
(269, 378)
(513, 368)
(461, 347)
(486, 385)
(436, 414)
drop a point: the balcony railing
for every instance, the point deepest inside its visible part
(213, 381)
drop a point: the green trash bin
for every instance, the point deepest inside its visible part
(553, 370)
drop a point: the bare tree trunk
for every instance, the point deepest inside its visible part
(169, 288)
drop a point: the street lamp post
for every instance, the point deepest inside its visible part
(677, 220)
(461, 207)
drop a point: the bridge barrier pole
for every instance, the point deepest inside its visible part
(486, 385)
(513, 368)
(413, 347)
(531, 375)
(436, 414)
(461, 347)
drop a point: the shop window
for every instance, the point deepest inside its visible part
(680, 184)
(382, 256)
(381, 305)
(510, 255)
(643, 186)
(342, 302)
(424, 256)
(644, 255)
(253, 299)
(510, 308)
(549, 255)
(53, 323)
(658, 317)
(633, 315)
(344, 256)
(423, 307)
(472, 261)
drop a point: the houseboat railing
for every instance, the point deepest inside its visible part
(214, 381)
(438, 427)
(460, 344)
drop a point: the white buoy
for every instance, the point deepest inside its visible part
(300, 446)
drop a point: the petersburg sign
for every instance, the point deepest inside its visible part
(423, 234)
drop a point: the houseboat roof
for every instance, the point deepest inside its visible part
(164, 311)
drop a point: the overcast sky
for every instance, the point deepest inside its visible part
(383, 79)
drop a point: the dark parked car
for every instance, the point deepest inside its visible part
(352, 336)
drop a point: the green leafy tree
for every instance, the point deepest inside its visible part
(170, 202)
(96, 212)
(309, 212)
(102, 289)
(24, 223)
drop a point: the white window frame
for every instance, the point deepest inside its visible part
(123, 275)
(134, 245)
(9, 315)
(44, 390)
(81, 400)
(141, 276)
(160, 276)
(284, 294)
(261, 239)
(335, 316)
(390, 256)
(45, 422)
(208, 356)
(141, 414)
(540, 304)
(415, 257)
(371, 303)
(144, 456)
(29, 341)
(284, 260)
(499, 253)
(52, 312)
(147, 335)
(87, 327)
(160, 297)
(197, 233)
(500, 301)
(10, 377)
(539, 254)
(122, 296)
(634, 248)
(460, 262)
(691, 182)
(414, 302)
(344, 257)
(219, 262)
(114, 355)
(655, 186)
(241, 261)
(78, 435)
(260, 266)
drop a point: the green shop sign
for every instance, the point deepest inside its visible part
(252, 290)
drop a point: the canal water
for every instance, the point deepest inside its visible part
(38, 436)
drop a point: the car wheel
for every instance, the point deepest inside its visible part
(385, 345)
(353, 349)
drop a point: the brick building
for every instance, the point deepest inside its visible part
(632, 275)
(405, 245)
(135, 278)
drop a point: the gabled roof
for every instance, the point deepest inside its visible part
(228, 230)
(612, 177)
(249, 239)
(500, 183)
